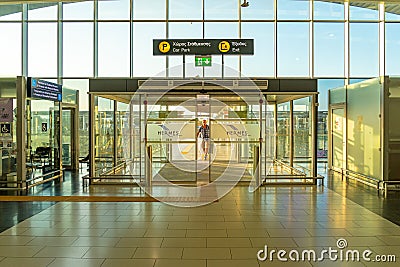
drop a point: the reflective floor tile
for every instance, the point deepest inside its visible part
(244, 253)
(140, 242)
(233, 263)
(158, 253)
(15, 240)
(207, 233)
(180, 263)
(95, 241)
(165, 233)
(273, 242)
(84, 232)
(184, 242)
(62, 252)
(298, 232)
(31, 262)
(247, 233)
(52, 241)
(231, 242)
(19, 251)
(187, 225)
(68, 262)
(206, 253)
(124, 233)
(315, 241)
(109, 253)
(225, 225)
(336, 232)
(44, 231)
(128, 263)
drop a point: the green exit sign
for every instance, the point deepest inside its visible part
(203, 61)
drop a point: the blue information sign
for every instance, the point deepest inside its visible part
(44, 90)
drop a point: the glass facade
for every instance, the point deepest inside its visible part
(71, 42)
(113, 38)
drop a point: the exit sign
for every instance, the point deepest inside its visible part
(203, 61)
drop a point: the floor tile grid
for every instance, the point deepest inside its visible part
(232, 223)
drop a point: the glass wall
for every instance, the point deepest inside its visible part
(122, 127)
(82, 86)
(104, 135)
(363, 127)
(302, 133)
(43, 135)
(117, 41)
(8, 125)
(283, 132)
(113, 39)
(356, 127)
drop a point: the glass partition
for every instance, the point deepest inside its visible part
(170, 125)
(393, 127)
(104, 134)
(8, 140)
(268, 127)
(283, 132)
(66, 137)
(302, 134)
(122, 127)
(171, 132)
(338, 138)
(337, 95)
(363, 127)
(43, 136)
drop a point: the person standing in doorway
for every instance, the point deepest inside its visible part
(204, 130)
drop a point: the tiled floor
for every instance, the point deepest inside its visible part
(229, 232)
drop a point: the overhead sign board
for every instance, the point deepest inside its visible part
(202, 61)
(177, 47)
(44, 90)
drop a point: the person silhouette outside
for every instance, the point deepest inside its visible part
(204, 130)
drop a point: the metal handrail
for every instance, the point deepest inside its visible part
(30, 182)
(113, 169)
(292, 169)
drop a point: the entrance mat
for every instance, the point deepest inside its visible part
(171, 172)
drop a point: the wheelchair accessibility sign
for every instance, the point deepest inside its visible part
(44, 126)
(5, 128)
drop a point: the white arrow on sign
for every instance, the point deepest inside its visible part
(206, 61)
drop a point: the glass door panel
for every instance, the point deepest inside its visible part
(122, 123)
(235, 131)
(104, 134)
(283, 132)
(338, 140)
(302, 134)
(67, 132)
(171, 131)
(43, 136)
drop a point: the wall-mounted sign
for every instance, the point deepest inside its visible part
(202, 61)
(44, 126)
(6, 110)
(5, 128)
(44, 90)
(203, 47)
